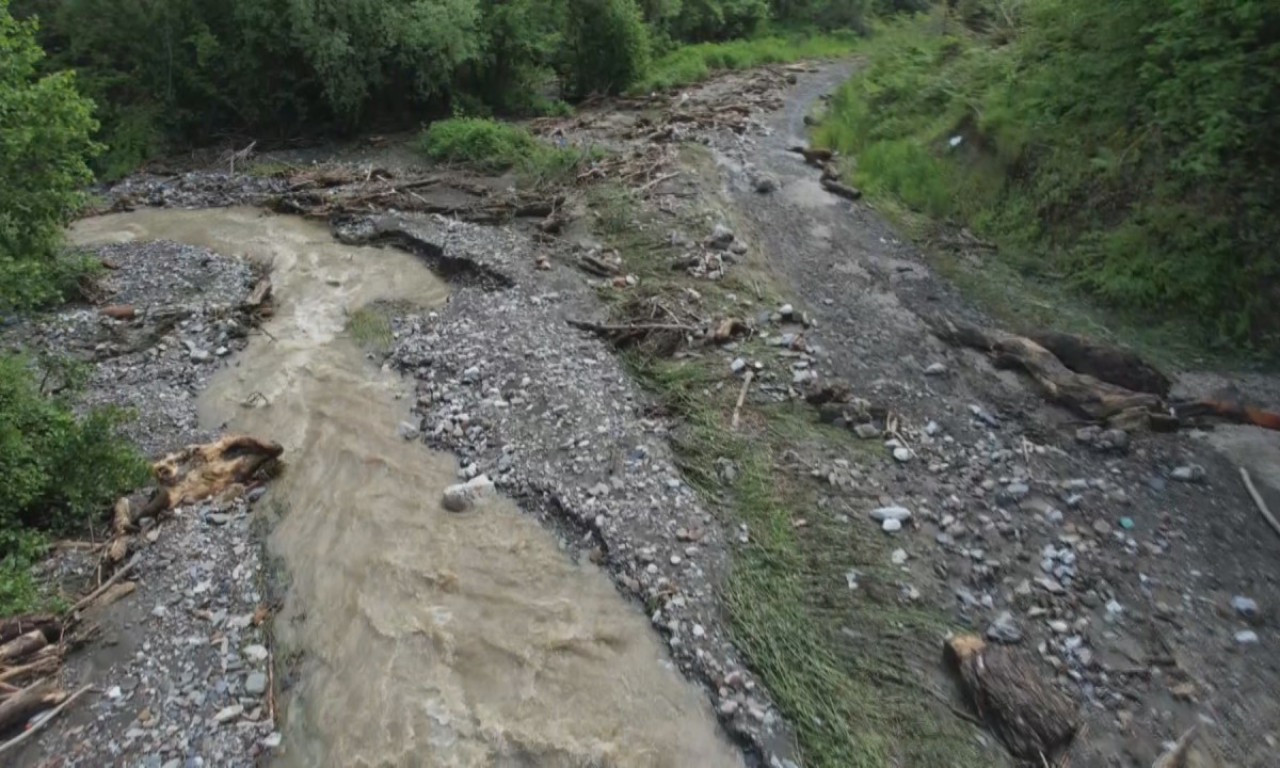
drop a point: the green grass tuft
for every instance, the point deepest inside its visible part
(370, 328)
(495, 146)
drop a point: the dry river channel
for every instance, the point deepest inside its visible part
(427, 638)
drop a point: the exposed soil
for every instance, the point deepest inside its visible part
(1133, 570)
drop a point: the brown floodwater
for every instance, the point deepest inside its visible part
(427, 638)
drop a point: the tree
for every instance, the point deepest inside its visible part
(45, 145)
(608, 45)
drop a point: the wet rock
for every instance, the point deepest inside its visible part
(898, 557)
(901, 454)
(1190, 473)
(882, 514)
(462, 496)
(1004, 629)
(408, 430)
(891, 525)
(764, 183)
(255, 684)
(721, 238)
(200, 355)
(227, 714)
(866, 431)
(1245, 606)
(217, 518)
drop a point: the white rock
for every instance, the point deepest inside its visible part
(1246, 637)
(460, 497)
(891, 513)
(902, 454)
(255, 652)
(226, 714)
(891, 525)
(899, 556)
(935, 369)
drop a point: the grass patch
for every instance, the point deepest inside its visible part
(1036, 133)
(370, 328)
(495, 146)
(694, 63)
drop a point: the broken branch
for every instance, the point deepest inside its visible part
(119, 574)
(1257, 499)
(742, 398)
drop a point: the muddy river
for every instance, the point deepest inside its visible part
(426, 638)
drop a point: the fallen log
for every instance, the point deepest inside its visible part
(1081, 393)
(840, 189)
(1036, 722)
(19, 707)
(1114, 365)
(23, 645)
(201, 471)
(16, 740)
(43, 662)
(21, 625)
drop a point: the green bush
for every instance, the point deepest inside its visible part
(1121, 147)
(45, 129)
(60, 470)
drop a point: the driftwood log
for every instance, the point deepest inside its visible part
(201, 471)
(1114, 365)
(21, 625)
(1081, 393)
(1036, 722)
(17, 708)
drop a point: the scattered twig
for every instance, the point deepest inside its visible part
(16, 740)
(1257, 499)
(119, 574)
(658, 180)
(742, 397)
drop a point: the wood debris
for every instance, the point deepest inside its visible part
(1036, 722)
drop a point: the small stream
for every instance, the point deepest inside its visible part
(427, 638)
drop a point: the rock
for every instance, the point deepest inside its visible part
(866, 431)
(255, 653)
(935, 369)
(1191, 473)
(1246, 637)
(460, 497)
(764, 183)
(217, 518)
(902, 454)
(272, 740)
(726, 470)
(1004, 629)
(200, 356)
(786, 311)
(898, 557)
(737, 365)
(720, 238)
(227, 714)
(890, 513)
(471, 375)
(1245, 606)
(1015, 491)
(255, 684)
(891, 525)
(408, 430)
(981, 414)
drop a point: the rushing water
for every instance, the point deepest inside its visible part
(428, 638)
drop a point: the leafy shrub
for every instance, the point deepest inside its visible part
(60, 470)
(45, 129)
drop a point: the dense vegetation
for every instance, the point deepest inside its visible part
(167, 73)
(1126, 148)
(57, 468)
